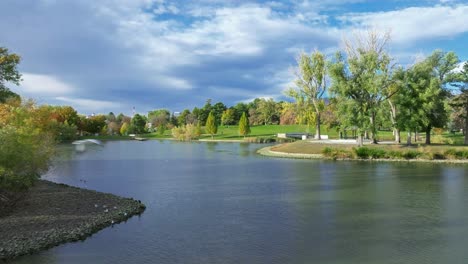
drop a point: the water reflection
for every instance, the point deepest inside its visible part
(221, 203)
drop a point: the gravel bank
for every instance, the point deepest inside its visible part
(50, 214)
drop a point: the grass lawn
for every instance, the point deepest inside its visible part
(232, 133)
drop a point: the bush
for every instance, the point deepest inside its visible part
(185, 133)
(24, 154)
(456, 154)
(373, 153)
(411, 154)
(336, 153)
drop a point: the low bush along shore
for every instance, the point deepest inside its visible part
(391, 152)
(49, 214)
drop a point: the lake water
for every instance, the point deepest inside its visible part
(222, 203)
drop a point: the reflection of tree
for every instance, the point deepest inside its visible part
(244, 149)
(211, 146)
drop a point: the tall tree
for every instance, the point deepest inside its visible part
(228, 117)
(211, 127)
(361, 80)
(423, 98)
(267, 110)
(8, 73)
(138, 123)
(460, 99)
(311, 84)
(244, 127)
(218, 110)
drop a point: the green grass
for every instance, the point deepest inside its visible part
(395, 151)
(232, 132)
(267, 131)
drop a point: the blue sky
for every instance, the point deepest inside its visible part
(101, 56)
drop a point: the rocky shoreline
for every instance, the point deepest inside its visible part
(50, 214)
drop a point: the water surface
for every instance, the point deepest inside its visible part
(222, 203)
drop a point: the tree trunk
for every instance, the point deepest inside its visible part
(366, 135)
(428, 135)
(396, 132)
(360, 140)
(408, 140)
(373, 129)
(317, 127)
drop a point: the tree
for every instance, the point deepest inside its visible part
(8, 73)
(159, 117)
(138, 123)
(422, 98)
(211, 126)
(25, 149)
(202, 114)
(244, 127)
(218, 110)
(267, 111)
(228, 117)
(239, 109)
(288, 114)
(311, 84)
(361, 81)
(442, 65)
(182, 118)
(124, 129)
(460, 99)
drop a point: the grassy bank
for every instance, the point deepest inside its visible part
(49, 214)
(392, 152)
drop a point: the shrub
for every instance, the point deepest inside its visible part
(373, 153)
(336, 153)
(411, 154)
(456, 154)
(24, 154)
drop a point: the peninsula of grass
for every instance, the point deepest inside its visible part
(49, 214)
(317, 149)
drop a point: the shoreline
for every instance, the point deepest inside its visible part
(51, 214)
(266, 151)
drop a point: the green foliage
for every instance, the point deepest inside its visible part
(124, 129)
(161, 129)
(211, 126)
(411, 154)
(361, 82)
(228, 117)
(337, 153)
(372, 153)
(185, 133)
(159, 117)
(244, 127)
(8, 73)
(198, 130)
(456, 154)
(138, 124)
(25, 149)
(311, 85)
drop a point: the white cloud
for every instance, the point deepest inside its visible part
(39, 84)
(415, 23)
(89, 105)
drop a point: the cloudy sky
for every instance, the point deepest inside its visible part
(113, 55)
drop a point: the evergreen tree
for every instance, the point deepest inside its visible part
(244, 127)
(211, 126)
